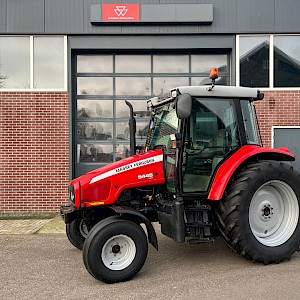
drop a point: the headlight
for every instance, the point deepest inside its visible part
(72, 194)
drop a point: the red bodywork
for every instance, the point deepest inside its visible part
(103, 186)
(228, 167)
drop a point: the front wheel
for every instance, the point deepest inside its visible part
(77, 232)
(260, 213)
(115, 250)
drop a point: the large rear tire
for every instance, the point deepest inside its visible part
(260, 213)
(115, 250)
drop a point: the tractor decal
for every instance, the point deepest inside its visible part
(147, 161)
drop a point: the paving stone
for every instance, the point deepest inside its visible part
(56, 225)
(21, 226)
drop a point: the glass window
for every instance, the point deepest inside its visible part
(48, 62)
(250, 123)
(136, 78)
(163, 124)
(254, 61)
(94, 108)
(94, 64)
(133, 86)
(170, 63)
(142, 130)
(222, 80)
(287, 61)
(14, 63)
(122, 130)
(163, 85)
(133, 63)
(122, 151)
(203, 63)
(94, 86)
(211, 117)
(211, 134)
(100, 131)
(139, 107)
(95, 153)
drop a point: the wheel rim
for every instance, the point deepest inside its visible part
(273, 213)
(118, 252)
(83, 228)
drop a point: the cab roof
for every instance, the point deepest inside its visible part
(220, 91)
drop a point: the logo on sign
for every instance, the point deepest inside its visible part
(120, 12)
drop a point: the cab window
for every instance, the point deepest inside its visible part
(211, 134)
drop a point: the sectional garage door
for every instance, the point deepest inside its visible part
(102, 83)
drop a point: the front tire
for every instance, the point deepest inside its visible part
(260, 212)
(77, 232)
(115, 250)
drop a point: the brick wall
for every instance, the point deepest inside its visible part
(34, 151)
(280, 108)
(34, 144)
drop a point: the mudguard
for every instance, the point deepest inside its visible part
(133, 214)
(248, 152)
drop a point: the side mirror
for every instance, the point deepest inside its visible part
(183, 106)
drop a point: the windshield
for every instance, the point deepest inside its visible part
(163, 123)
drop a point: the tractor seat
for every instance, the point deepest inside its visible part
(217, 145)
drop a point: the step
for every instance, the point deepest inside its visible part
(201, 241)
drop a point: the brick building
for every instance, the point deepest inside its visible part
(66, 67)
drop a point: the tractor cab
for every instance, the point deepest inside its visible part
(198, 128)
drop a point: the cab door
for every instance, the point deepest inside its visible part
(210, 136)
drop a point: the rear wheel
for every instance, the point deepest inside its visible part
(260, 213)
(115, 250)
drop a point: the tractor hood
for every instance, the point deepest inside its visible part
(104, 185)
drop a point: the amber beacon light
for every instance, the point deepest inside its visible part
(214, 73)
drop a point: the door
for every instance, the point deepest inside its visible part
(288, 137)
(103, 81)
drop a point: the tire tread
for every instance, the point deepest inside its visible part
(233, 210)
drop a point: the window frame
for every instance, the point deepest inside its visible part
(271, 62)
(31, 66)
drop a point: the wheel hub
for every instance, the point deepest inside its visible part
(273, 213)
(116, 249)
(267, 211)
(118, 252)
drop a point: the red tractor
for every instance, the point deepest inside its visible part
(203, 173)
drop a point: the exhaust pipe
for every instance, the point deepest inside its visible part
(132, 129)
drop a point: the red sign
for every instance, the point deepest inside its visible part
(120, 12)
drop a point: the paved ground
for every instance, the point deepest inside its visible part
(31, 226)
(47, 266)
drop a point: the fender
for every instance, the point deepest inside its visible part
(126, 211)
(229, 166)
